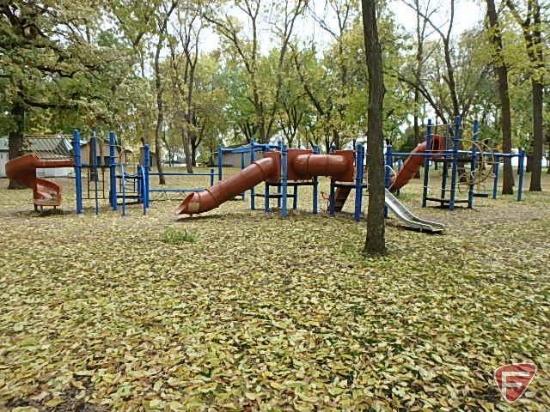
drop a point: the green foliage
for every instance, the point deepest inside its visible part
(55, 67)
(90, 66)
(175, 237)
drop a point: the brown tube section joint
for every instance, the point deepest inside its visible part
(337, 166)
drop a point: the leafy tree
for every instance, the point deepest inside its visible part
(501, 68)
(294, 106)
(245, 50)
(162, 19)
(419, 61)
(183, 65)
(338, 62)
(531, 25)
(135, 23)
(210, 102)
(49, 55)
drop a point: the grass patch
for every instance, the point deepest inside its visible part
(173, 236)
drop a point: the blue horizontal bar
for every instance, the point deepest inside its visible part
(255, 148)
(507, 154)
(181, 174)
(423, 154)
(197, 189)
(449, 153)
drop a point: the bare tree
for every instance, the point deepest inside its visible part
(420, 59)
(247, 53)
(338, 19)
(162, 25)
(375, 242)
(184, 66)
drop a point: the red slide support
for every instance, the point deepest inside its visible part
(413, 163)
(22, 170)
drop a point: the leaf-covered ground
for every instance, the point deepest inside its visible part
(238, 310)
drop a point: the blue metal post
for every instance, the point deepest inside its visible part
(95, 170)
(123, 181)
(284, 180)
(146, 178)
(242, 167)
(266, 198)
(359, 171)
(315, 187)
(279, 187)
(495, 179)
(521, 167)
(429, 132)
(141, 182)
(444, 177)
(77, 171)
(212, 174)
(473, 164)
(252, 190)
(454, 176)
(112, 171)
(220, 163)
(389, 165)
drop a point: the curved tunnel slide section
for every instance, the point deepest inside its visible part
(22, 170)
(221, 192)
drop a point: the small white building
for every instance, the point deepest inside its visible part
(4, 155)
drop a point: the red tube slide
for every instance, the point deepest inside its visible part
(413, 163)
(302, 166)
(337, 166)
(249, 177)
(22, 170)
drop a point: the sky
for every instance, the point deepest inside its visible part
(467, 14)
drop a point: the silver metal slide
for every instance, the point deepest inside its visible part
(407, 217)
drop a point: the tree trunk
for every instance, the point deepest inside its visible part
(186, 150)
(194, 147)
(503, 91)
(529, 162)
(189, 157)
(160, 114)
(416, 126)
(538, 138)
(532, 34)
(375, 242)
(15, 139)
(158, 157)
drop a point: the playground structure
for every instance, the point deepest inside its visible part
(294, 168)
(480, 164)
(278, 167)
(123, 186)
